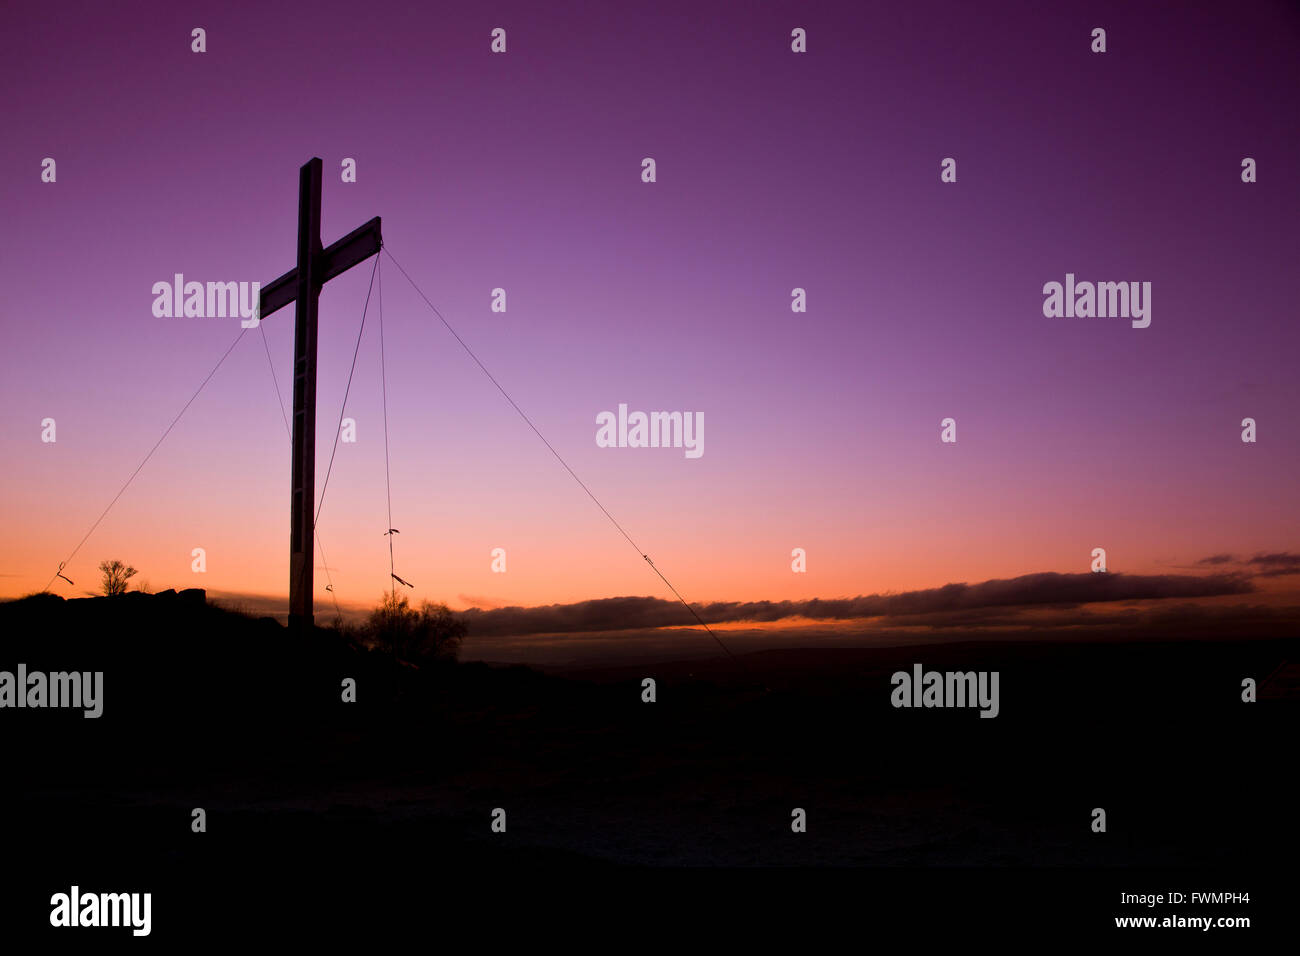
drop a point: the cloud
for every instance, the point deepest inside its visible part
(1262, 565)
(480, 601)
(1276, 564)
(1155, 621)
(1046, 589)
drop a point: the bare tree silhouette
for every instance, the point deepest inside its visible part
(116, 574)
(430, 633)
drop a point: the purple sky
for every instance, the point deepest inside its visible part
(775, 170)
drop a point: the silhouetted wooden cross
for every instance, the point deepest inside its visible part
(302, 286)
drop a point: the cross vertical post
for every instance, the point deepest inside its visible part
(302, 286)
(302, 535)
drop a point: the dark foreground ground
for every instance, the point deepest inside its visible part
(324, 815)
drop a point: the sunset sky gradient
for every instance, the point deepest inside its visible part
(775, 170)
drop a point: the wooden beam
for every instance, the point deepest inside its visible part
(301, 286)
(357, 246)
(302, 538)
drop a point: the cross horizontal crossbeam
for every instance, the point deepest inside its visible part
(358, 245)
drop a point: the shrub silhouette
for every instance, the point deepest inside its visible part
(429, 634)
(116, 574)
